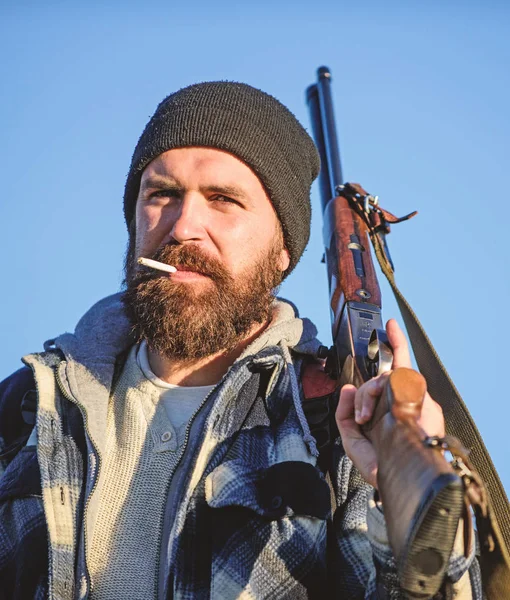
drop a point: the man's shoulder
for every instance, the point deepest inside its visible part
(17, 395)
(15, 386)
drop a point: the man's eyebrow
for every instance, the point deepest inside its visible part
(158, 182)
(228, 190)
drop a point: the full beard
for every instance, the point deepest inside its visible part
(188, 321)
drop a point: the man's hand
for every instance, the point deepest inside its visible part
(356, 407)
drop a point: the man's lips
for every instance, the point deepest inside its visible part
(184, 273)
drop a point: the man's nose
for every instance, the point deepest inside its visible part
(188, 224)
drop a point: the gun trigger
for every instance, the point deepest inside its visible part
(323, 352)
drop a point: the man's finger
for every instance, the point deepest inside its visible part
(398, 341)
(366, 398)
(345, 408)
(431, 419)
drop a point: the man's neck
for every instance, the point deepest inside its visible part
(203, 371)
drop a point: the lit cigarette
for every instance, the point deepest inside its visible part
(154, 264)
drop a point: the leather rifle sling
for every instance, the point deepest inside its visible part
(495, 549)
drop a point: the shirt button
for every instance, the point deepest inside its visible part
(276, 502)
(166, 436)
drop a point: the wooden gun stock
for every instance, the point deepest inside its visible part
(422, 496)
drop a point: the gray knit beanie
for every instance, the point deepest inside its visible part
(253, 126)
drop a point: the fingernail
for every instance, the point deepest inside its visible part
(365, 413)
(357, 415)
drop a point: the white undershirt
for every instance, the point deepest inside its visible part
(145, 432)
(180, 402)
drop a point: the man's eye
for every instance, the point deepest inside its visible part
(226, 199)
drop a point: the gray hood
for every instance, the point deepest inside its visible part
(104, 332)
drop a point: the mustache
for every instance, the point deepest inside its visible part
(190, 258)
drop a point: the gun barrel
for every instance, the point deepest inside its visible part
(332, 149)
(312, 97)
(320, 104)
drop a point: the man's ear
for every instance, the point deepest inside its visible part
(284, 260)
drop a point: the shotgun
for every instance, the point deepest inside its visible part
(421, 494)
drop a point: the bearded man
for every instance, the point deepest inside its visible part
(161, 450)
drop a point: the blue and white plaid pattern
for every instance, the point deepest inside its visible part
(253, 520)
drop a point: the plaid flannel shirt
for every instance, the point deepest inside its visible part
(253, 515)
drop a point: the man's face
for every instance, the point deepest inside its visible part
(206, 212)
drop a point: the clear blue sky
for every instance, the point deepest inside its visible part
(421, 93)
